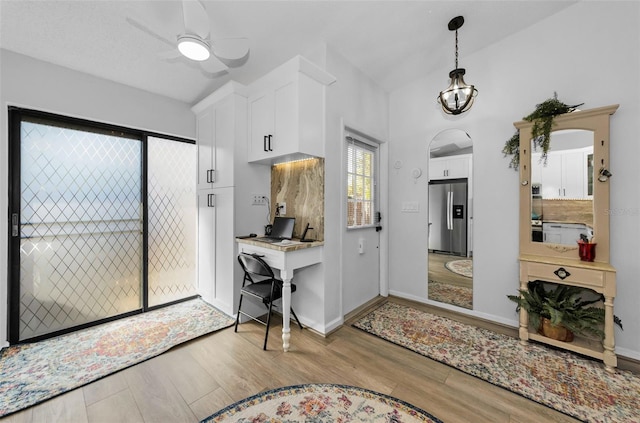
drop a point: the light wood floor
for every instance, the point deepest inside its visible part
(193, 380)
(439, 273)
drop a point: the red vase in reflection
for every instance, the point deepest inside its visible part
(587, 250)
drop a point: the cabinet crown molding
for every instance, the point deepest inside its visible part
(296, 65)
(231, 87)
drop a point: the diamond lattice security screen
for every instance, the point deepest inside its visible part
(80, 228)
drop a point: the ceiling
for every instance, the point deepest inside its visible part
(393, 42)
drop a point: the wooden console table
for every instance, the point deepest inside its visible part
(599, 277)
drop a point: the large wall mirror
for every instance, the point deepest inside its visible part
(562, 189)
(450, 255)
(566, 196)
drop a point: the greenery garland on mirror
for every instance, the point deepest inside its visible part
(542, 118)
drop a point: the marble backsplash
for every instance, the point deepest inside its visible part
(300, 184)
(570, 211)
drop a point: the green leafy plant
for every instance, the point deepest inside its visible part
(563, 305)
(542, 118)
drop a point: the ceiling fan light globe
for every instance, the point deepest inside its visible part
(193, 48)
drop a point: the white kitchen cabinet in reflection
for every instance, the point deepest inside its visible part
(564, 175)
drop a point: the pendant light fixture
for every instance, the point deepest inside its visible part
(458, 97)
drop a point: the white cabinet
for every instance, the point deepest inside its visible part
(216, 252)
(224, 206)
(564, 233)
(215, 142)
(451, 167)
(287, 113)
(564, 175)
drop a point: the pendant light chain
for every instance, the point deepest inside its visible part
(456, 49)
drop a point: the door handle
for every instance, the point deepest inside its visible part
(211, 200)
(449, 210)
(15, 227)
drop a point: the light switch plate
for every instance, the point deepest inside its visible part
(410, 207)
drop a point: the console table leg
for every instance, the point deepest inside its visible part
(523, 330)
(610, 359)
(286, 309)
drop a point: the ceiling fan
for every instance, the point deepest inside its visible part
(195, 44)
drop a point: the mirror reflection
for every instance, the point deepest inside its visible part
(450, 255)
(562, 189)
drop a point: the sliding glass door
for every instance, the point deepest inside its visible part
(83, 218)
(172, 220)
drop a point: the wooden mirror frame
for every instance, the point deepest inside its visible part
(596, 121)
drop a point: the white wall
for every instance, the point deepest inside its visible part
(589, 52)
(35, 84)
(358, 102)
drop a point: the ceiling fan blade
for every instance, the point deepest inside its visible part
(170, 54)
(214, 65)
(230, 48)
(145, 29)
(196, 19)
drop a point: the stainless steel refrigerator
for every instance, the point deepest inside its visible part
(448, 216)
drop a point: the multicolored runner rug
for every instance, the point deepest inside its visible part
(451, 294)
(460, 267)
(321, 403)
(32, 373)
(561, 380)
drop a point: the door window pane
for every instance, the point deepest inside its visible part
(172, 220)
(360, 184)
(80, 227)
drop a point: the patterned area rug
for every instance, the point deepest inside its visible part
(32, 373)
(451, 294)
(461, 267)
(566, 382)
(321, 403)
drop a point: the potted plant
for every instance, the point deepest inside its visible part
(542, 118)
(561, 311)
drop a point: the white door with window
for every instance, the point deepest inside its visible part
(361, 242)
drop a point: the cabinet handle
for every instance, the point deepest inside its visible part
(211, 199)
(562, 273)
(270, 143)
(264, 143)
(210, 176)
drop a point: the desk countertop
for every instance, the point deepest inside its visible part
(293, 245)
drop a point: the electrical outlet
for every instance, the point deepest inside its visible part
(259, 200)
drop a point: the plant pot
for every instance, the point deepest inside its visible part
(557, 332)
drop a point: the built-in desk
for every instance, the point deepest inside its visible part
(286, 258)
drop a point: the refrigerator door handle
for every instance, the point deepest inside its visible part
(450, 210)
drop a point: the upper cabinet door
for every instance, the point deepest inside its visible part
(450, 167)
(206, 148)
(261, 125)
(216, 144)
(287, 113)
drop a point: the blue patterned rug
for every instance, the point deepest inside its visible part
(321, 403)
(32, 373)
